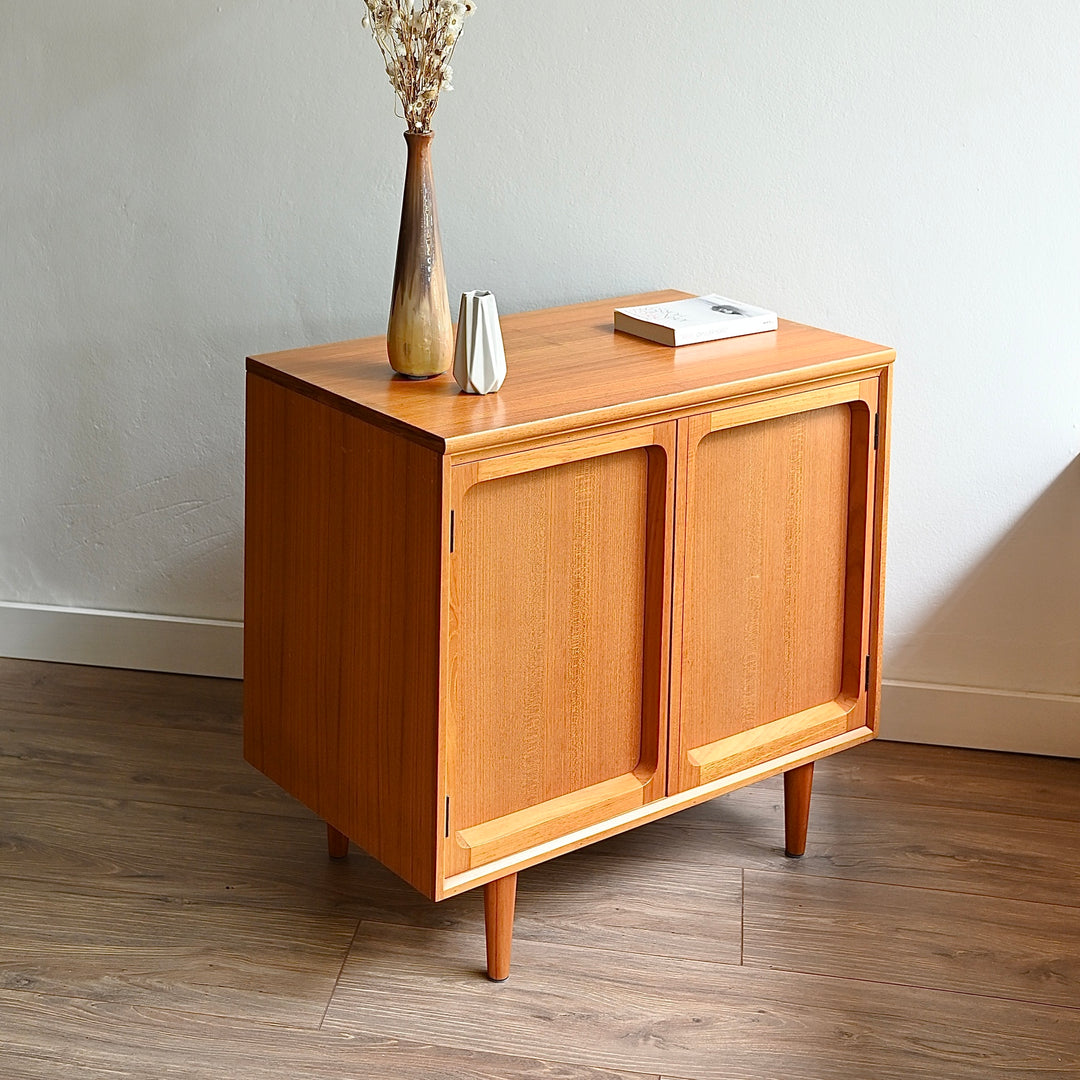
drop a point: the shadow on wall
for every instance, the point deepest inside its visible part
(1014, 622)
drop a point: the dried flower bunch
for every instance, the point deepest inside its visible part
(417, 39)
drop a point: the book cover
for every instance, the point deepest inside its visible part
(688, 322)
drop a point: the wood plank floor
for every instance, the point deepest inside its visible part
(167, 912)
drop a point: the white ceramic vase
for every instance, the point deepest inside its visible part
(479, 357)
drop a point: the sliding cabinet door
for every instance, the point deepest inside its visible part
(772, 617)
(559, 623)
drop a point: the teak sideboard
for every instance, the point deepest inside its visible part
(484, 631)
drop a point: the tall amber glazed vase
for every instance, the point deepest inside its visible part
(420, 337)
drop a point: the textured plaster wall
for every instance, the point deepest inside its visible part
(183, 182)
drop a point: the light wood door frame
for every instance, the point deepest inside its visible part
(478, 844)
(693, 766)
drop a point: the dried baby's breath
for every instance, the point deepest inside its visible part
(417, 39)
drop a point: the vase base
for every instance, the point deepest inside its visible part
(417, 378)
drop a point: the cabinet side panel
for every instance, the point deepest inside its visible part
(881, 518)
(341, 634)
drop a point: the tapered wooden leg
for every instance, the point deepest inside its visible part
(499, 899)
(337, 842)
(797, 784)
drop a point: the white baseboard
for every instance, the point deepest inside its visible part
(121, 639)
(1013, 720)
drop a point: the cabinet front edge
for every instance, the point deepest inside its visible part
(486, 444)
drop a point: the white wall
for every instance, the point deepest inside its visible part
(187, 181)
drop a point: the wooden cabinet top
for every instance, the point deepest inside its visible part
(568, 371)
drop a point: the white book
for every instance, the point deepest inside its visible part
(688, 322)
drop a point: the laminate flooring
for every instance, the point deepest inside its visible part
(167, 912)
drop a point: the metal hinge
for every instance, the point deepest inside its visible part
(447, 827)
(451, 532)
(877, 429)
(867, 684)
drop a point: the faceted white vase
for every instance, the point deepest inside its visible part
(479, 359)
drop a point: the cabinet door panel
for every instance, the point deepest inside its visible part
(559, 608)
(775, 602)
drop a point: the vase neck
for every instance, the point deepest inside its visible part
(418, 162)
